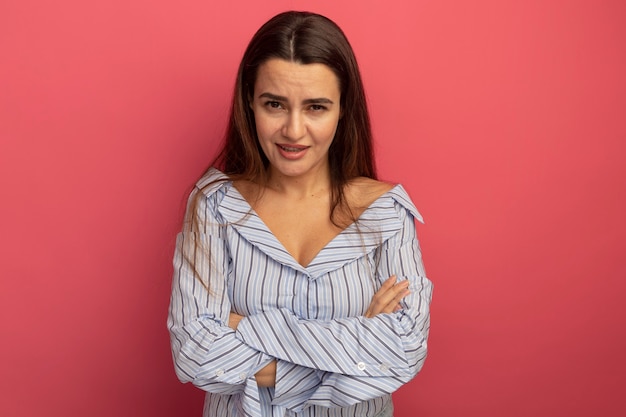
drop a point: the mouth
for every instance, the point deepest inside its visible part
(292, 152)
(292, 148)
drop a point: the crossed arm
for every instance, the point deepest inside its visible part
(375, 354)
(385, 300)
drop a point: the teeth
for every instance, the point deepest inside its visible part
(289, 149)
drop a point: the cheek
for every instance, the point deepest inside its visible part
(329, 131)
(265, 127)
(260, 130)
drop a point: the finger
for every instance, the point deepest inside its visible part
(393, 297)
(385, 300)
(376, 302)
(394, 305)
(388, 284)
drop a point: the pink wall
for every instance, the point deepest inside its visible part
(506, 121)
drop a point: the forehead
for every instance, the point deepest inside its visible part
(288, 79)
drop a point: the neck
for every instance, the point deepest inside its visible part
(313, 184)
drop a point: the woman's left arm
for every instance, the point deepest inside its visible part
(386, 300)
(357, 358)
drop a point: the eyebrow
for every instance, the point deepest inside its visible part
(321, 100)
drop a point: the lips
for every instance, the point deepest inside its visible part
(292, 152)
(292, 148)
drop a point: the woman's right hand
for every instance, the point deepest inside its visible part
(387, 298)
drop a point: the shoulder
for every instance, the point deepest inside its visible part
(403, 201)
(212, 181)
(361, 192)
(364, 193)
(207, 195)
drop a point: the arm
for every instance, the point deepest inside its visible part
(358, 358)
(266, 376)
(386, 300)
(205, 350)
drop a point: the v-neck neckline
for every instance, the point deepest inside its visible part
(255, 222)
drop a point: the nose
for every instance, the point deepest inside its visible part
(294, 127)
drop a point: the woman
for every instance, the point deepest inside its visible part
(298, 287)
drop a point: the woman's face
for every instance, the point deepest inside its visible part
(296, 111)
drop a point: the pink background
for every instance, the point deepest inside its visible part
(505, 120)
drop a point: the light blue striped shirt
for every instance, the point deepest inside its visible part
(331, 360)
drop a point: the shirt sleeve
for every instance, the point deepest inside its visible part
(205, 350)
(354, 359)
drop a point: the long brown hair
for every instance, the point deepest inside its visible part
(303, 38)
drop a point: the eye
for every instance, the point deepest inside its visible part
(273, 105)
(317, 107)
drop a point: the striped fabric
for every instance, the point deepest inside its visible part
(331, 361)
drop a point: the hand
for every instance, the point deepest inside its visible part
(387, 298)
(266, 377)
(233, 320)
